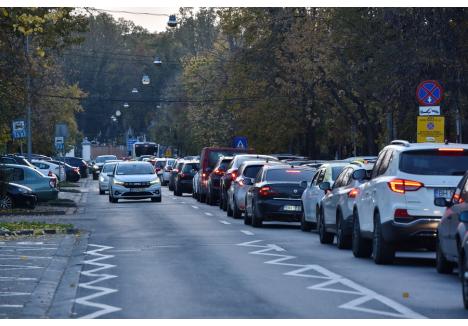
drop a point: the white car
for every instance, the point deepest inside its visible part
(48, 168)
(396, 206)
(134, 180)
(107, 168)
(312, 195)
(336, 207)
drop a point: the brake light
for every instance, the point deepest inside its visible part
(400, 212)
(234, 175)
(293, 171)
(451, 149)
(402, 185)
(266, 191)
(218, 172)
(353, 193)
(458, 199)
(241, 182)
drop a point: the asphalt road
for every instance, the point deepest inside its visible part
(183, 259)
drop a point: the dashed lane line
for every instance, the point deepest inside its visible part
(224, 222)
(247, 232)
(11, 294)
(209, 214)
(15, 279)
(196, 207)
(11, 306)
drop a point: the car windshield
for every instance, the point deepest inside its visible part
(434, 162)
(289, 175)
(102, 159)
(125, 169)
(108, 167)
(252, 171)
(336, 170)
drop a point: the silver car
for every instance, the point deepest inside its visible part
(134, 180)
(108, 167)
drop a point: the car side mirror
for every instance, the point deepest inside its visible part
(325, 186)
(464, 216)
(304, 184)
(359, 174)
(110, 175)
(442, 202)
(248, 181)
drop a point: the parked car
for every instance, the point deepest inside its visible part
(44, 187)
(167, 171)
(237, 192)
(134, 180)
(78, 162)
(452, 229)
(107, 168)
(14, 195)
(395, 207)
(183, 180)
(276, 194)
(214, 179)
(464, 271)
(232, 173)
(99, 163)
(72, 173)
(177, 167)
(336, 206)
(159, 165)
(16, 159)
(312, 195)
(208, 158)
(48, 168)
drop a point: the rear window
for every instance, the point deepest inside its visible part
(434, 162)
(243, 159)
(160, 164)
(215, 155)
(224, 164)
(252, 171)
(336, 170)
(102, 159)
(289, 175)
(189, 167)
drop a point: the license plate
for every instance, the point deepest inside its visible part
(137, 189)
(446, 193)
(292, 208)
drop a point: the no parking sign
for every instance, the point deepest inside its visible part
(429, 93)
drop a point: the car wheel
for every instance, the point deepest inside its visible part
(209, 197)
(362, 248)
(382, 251)
(156, 199)
(443, 266)
(464, 280)
(229, 211)
(305, 226)
(236, 212)
(343, 241)
(247, 218)
(6, 202)
(95, 176)
(171, 187)
(256, 221)
(220, 203)
(224, 202)
(324, 236)
(101, 192)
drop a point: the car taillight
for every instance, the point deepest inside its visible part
(158, 169)
(402, 185)
(76, 170)
(400, 212)
(458, 199)
(266, 191)
(240, 182)
(183, 175)
(451, 149)
(234, 175)
(53, 183)
(353, 193)
(218, 172)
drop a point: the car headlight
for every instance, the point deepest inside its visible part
(155, 181)
(118, 182)
(95, 167)
(101, 178)
(23, 190)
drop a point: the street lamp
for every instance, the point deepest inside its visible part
(145, 80)
(134, 90)
(126, 105)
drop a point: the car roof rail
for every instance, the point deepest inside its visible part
(400, 142)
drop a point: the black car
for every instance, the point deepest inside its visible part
(452, 229)
(72, 173)
(13, 195)
(177, 166)
(276, 194)
(16, 159)
(78, 162)
(183, 179)
(214, 180)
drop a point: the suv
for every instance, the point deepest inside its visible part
(215, 178)
(16, 159)
(396, 206)
(232, 173)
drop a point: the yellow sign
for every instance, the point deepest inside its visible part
(168, 152)
(431, 129)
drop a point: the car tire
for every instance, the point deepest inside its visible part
(224, 203)
(171, 187)
(463, 271)
(343, 241)
(229, 211)
(177, 191)
(6, 202)
(95, 176)
(256, 221)
(362, 248)
(156, 199)
(305, 226)
(383, 252)
(247, 218)
(236, 212)
(101, 192)
(443, 266)
(324, 236)
(220, 203)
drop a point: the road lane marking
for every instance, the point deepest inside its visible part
(104, 308)
(247, 232)
(330, 278)
(22, 279)
(11, 294)
(22, 257)
(182, 202)
(11, 306)
(196, 207)
(209, 214)
(15, 267)
(224, 222)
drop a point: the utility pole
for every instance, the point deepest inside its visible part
(28, 96)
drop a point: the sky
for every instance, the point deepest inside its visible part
(151, 22)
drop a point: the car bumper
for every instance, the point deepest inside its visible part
(274, 210)
(421, 232)
(129, 193)
(186, 186)
(47, 195)
(24, 200)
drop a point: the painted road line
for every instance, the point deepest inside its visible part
(182, 202)
(22, 257)
(224, 222)
(247, 232)
(11, 306)
(196, 207)
(11, 294)
(14, 279)
(209, 214)
(15, 267)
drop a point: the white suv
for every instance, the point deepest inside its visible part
(395, 208)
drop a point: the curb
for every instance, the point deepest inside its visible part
(37, 232)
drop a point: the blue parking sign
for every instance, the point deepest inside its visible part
(18, 129)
